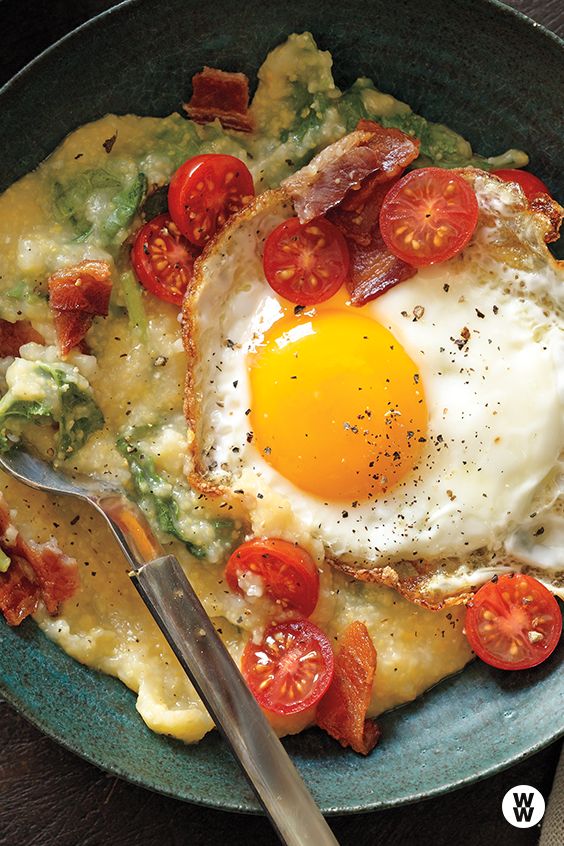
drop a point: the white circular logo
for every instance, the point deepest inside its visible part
(523, 806)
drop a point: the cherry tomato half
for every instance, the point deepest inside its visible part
(287, 571)
(292, 667)
(306, 263)
(205, 191)
(532, 186)
(513, 623)
(163, 259)
(428, 216)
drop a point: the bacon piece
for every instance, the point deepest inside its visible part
(77, 295)
(374, 270)
(84, 287)
(37, 572)
(71, 328)
(15, 335)
(370, 150)
(545, 204)
(357, 216)
(222, 95)
(19, 595)
(342, 711)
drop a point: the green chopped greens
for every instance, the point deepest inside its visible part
(179, 139)
(39, 391)
(133, 296)
(23, 291)
(168, 502)
(71, 202)
(125, 204)
(155, 493)
(68, 205)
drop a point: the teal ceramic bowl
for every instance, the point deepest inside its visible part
(475, 65)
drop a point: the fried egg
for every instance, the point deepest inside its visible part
(415, 441)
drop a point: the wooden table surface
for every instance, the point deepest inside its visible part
(50, 797)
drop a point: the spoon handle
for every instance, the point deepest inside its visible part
(181, 617)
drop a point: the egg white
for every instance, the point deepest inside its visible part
(484, 330)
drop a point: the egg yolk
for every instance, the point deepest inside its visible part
(338, 407)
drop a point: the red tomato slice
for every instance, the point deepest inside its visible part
(513, 623)
(290, 670)
(205, 191)
(532, 186)
(288, 573)
(306, 263)
(163, 260)
(428, 216)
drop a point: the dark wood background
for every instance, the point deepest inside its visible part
(49, 797)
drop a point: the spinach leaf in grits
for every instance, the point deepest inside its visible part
(133, 295)
(37, 391)
(155, 493)
(80, 417)
(23, 292)
(98, 199)
(68, 208)
(125, 204)
(159, 498)
(69, 201)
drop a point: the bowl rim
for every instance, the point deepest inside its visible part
(12, 696)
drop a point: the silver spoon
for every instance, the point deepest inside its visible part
(170, 598)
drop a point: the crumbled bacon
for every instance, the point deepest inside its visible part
(342, 711)
(37, 572)
(15, 335)
(77, 295)
(545, 204)
(371, 150)
(221, 95)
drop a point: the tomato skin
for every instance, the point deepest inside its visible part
(205, 191)
(159, 242)
(288, 571)
(291, 669)
(428, 216)
(306, 263)
(513, 623)
(532, 186)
